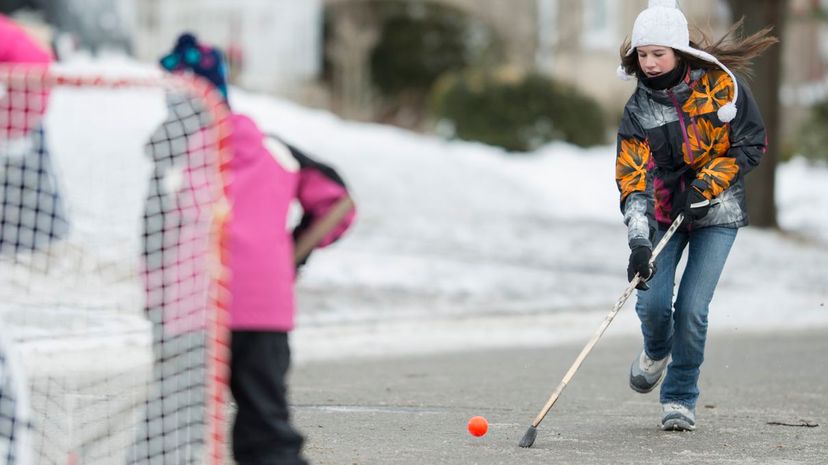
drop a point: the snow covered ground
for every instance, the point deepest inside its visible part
(459, 245)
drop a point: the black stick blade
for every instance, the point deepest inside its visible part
(529, 438)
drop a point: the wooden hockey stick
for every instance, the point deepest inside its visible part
(529, 438)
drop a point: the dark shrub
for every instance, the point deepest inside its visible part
(518, 113)
(813, 140)
(419, 42)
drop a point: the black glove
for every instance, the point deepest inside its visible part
(692, 203)
(640, 264)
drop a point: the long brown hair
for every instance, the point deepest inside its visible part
(732, 50)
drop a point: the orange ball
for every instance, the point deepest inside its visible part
(478, 426)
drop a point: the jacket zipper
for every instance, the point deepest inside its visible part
(686, 139)
(683, 126)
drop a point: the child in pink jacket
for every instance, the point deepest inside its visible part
(266, 176)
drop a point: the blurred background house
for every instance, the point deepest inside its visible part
(272, 45)
(573, 42)
(805, 60)
(511, 73)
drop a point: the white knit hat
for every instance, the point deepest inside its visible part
(662, 23)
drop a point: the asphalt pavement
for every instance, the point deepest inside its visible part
(764, 401)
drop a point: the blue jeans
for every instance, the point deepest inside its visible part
(683, 332)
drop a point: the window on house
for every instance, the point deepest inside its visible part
(823, 31)
(599, 31)
(547, 33)
(149, 16)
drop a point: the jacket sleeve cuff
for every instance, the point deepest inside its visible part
(640, 242)
(702, 188)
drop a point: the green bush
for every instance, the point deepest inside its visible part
(419, 42)
(813, 139)
(518, 113)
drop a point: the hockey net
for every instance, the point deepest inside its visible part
(113, 340)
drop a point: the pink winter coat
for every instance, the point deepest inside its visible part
(261, 255)
(16, 47)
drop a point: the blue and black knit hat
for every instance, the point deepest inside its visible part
(201, 59)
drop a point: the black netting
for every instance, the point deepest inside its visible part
(108, 266)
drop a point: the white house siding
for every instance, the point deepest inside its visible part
(281, 40)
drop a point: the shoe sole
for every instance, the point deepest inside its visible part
(677, 424)
(641, 390)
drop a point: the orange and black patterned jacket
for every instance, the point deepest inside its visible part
(672, 140)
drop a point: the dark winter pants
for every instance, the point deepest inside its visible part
(262, 434)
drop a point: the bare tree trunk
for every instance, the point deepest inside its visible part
(767, 69)
(355, 34)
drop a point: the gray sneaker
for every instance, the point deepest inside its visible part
(646, 373)
(677, 417)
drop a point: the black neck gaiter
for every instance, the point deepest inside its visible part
(664, 81)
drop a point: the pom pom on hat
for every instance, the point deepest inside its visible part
(185, 41)
(727, 112)
(200, 59)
